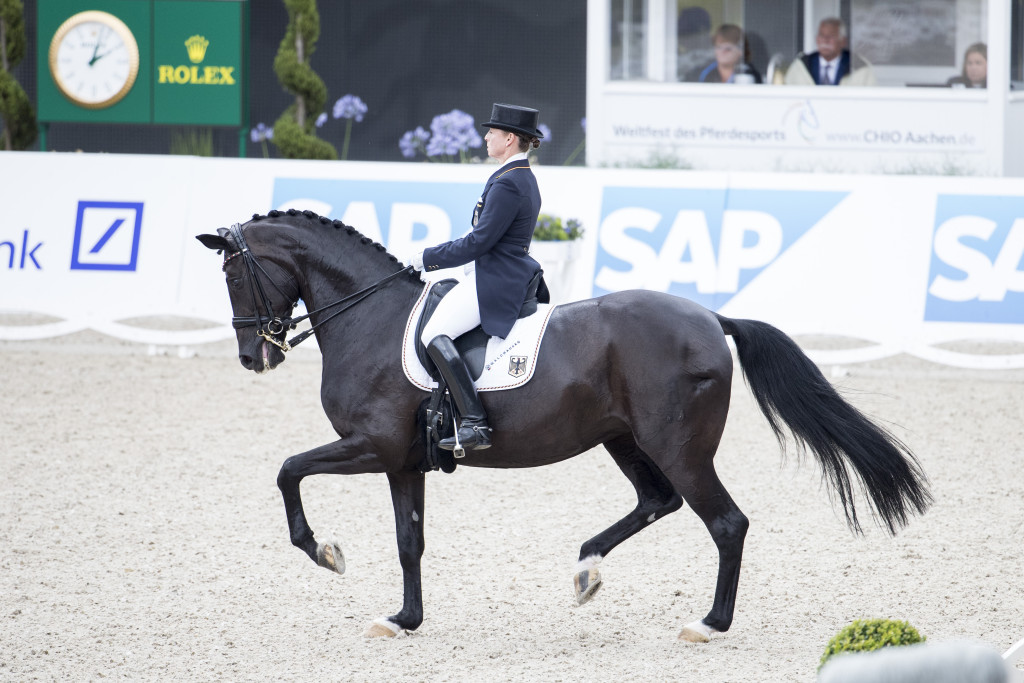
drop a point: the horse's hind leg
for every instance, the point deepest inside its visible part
(727, 525)
(655, 498)
(685, 454)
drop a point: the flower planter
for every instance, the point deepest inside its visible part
(553, 256)
(557, 258)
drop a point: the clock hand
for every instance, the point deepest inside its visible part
(99, 44)
(96, 58)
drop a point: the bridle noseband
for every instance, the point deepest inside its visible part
(270, 326)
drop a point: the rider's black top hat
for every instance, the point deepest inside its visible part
(521, 120)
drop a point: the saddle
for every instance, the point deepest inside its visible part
(473, 344)
(436, 415)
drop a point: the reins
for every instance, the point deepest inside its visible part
(274, 324)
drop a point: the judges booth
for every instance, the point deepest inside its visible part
(645, 106)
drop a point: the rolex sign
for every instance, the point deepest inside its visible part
(197, 62)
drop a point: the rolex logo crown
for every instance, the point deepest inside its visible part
(196, 46)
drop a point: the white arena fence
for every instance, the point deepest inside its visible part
(925, 266)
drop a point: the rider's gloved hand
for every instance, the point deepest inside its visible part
(417, 261)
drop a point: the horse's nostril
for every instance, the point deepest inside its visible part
(246, 361)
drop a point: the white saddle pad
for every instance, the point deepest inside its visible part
(508, 362)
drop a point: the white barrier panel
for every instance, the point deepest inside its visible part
(905, 264)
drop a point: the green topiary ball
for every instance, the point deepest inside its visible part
(864, 635)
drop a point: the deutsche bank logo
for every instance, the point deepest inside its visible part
(107, 236)
(976, 274)
(705, 245)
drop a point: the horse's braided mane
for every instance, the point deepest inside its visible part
(338, 225)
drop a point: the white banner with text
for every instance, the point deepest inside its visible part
(903, 264)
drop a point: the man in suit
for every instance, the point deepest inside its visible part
(832, 64)
(498, 247)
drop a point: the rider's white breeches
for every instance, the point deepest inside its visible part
(457, 313)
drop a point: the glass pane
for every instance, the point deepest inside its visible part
(905, 32)
(921, 42)
(693, 39)
(628, 40)
(771, 34)
(703, 24)
(1017, 44)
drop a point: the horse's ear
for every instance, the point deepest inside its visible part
(218, 241)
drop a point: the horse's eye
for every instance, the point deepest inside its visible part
(235, 282)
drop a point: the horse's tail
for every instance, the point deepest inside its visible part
(791, 390)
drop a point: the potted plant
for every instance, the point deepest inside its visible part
(555, 242)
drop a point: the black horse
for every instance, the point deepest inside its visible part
(647, 375)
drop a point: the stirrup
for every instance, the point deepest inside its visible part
(477, 439)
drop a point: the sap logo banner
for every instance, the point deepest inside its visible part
(406, 217)
(976, 273)
(704, 245)
(107, 236)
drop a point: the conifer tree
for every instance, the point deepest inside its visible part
(17, 117)
(295, 130)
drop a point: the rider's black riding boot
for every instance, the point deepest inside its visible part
(474, 434)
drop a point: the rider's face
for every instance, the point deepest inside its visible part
(498, 142)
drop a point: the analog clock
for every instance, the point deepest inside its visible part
(94, 59)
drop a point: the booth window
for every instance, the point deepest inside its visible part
(903, 42)
(629, 39)
(933, 43)
(1017, 45)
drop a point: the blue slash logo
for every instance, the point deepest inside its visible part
(107, 236)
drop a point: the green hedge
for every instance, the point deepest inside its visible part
(864, 635)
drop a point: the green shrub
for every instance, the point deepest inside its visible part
(193, 142)
(18, 127)
(864, 635)
(295, 131)
(552, 229)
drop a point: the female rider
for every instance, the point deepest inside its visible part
(493, 290)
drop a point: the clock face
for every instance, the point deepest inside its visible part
(94, 59)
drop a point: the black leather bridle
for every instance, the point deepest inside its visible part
(270, 326)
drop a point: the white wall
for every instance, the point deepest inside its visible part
(901, 264)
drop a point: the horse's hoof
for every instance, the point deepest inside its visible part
(588, 582)
(696, 632)
(382, 628)
(329, 556)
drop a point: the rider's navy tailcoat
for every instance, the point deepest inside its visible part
(503, 224)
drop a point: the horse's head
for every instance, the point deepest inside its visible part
(262, 297)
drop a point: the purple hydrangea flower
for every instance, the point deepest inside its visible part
(350, 107)
(321, 120)
(261, 132)
(453, 133)
(413, 141)
(545, 131)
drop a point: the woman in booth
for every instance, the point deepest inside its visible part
(731, 63)
(975, 69)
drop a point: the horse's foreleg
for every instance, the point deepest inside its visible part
(407, 498)
(655, 498)
(348, 456)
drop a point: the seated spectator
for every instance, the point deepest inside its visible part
(832, 64)
(975, 70)
(731, 55)
(693, 30)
